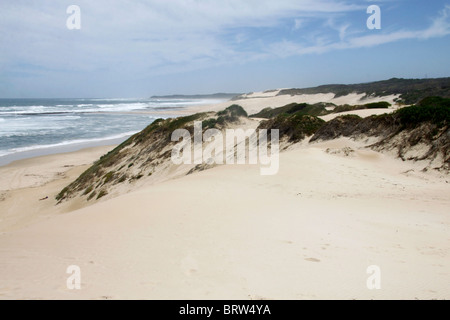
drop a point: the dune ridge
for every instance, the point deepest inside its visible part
(351, 193)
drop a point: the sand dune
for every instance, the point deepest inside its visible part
(312, 231)
(23, 183)
(309, 232)
(260, 100)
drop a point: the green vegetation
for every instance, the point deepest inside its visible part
(300, 108)
(377, 105)
(136, 177)
(294, 127)
(209, 123)
(88, 190)
(433, 109)
(91, 196)
(229, 115)
(294, 121)
(62, 194)
(318, 109)
(411, 90)
(179, 123)
(123, 178)
(374, 105)
(101, 194)
(108, 177)
(233, 111)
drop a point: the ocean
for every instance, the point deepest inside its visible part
(34, 127)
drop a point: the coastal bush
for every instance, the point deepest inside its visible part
(340, 126)
(136, 177)
(179, 123)
(122, 178)
(433, 109)
(411, 90)
(91, 196)
(377, 105)
(101, 194)
(108, 177)
(374, 105)
(209, 123)
(229, 115)
(292, 108)
(62, 194)
(88, 190)
(233, 111)
(294, 127)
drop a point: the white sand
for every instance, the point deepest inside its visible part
(23, 183)
(362, 113)
(260, 100)
(309, 232)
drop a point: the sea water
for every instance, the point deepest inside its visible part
(30, 127)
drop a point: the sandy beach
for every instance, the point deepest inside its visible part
(310, 232)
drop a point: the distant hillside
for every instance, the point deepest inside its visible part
(411, 90)
(198, 96)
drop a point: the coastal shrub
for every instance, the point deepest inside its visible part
(91, 196)
(101, 194)
(292, 108)
(88, 190)
(108, 177)
(230, 115)
(209, 123)
(344, 108)
(348, 117)
(411, 90)
(122, 178)
(233, 111)
(378, 105)
(374, 105)
(340, 126)
(136, 177)
(294, 127)
(181, 122)
(62, 194)
(434, 109)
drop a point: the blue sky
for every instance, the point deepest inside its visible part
(144, 47)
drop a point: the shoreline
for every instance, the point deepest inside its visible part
(310, 232)
(253, 104)
(78, 146)
(26, 181)
(55, 150)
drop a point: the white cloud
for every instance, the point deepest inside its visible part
(439, 27)
(146, 34)
(137, 39)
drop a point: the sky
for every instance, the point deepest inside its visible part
(140, 48)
